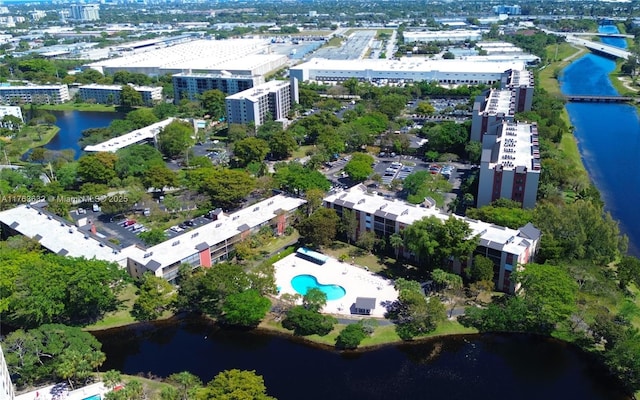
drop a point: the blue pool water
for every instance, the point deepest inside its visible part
(94, 397)
(302, 283)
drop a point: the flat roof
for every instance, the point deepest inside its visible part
(139, 135)
(515, 146)
(225, 227)
(196, 54)
(413, 64)
(119, 87)
(254, 93)
(499, 101)
(493, 236)
(60, 236)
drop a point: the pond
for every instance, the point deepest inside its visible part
(489, 366)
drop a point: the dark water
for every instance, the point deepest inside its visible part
(72, 123)
(609, 139)
(476, 366)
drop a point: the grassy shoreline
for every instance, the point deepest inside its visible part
(78, 107)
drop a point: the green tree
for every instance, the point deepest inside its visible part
(175, 138)
(136, 160)
(129, 97)
(154, 297)
(349, 224)
(249, 150)
(367, 240)
(433, 241)
(97, 168)
(481, 269)
(359, 167)
(351, 336)
(186, 383)
(629, 271)
(548, 291)
(111, 378)
(320, 228)
(226, 187)
(139, 118)
(213, 102)
(282, 144)
(391, 105)
(51, 350)
(305, 322)
(159, 177)
(314, 300)
(246, 308)
(396, 241)
(295, 178)
(235, 384)
(425, 108)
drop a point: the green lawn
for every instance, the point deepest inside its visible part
(557, 54)
(334, 42)
(301, 151)
(382, 335)
(120, 317)
(152, 388)
(78, 106)
(30, 137)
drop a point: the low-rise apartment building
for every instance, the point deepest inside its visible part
(507, 248)
(202, 246)
(111, 94)
(34, 94)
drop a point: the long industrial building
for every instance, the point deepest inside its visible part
(272, 100)
(406, 69)
(235, 56)
(44, 94)
(111, 94)
(453, 36)
(507, 248)
(190, 85)
(510, 166)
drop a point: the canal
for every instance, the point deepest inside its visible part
(608, 136)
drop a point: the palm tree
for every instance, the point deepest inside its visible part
(184, 381)
(396, 241)
(111, 378)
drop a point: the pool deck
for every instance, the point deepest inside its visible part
(50, 393)
(356, 281)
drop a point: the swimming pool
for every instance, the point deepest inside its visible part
(94, 397)
(302, 283)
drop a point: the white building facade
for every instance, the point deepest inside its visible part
(46, 94)
(404, 70)
(111, 94)
(6, 386)
(85, 12)
(272, 100)
(507, 248)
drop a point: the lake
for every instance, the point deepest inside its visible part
(72, 123)
(457, 367)
(608, 137)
